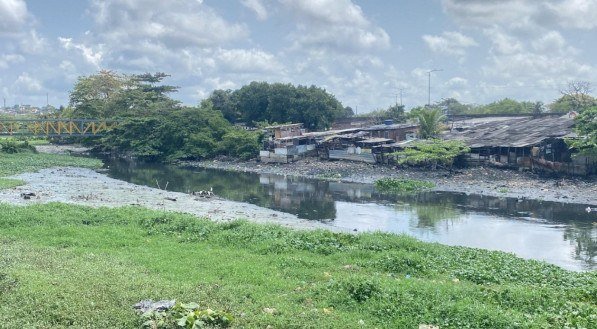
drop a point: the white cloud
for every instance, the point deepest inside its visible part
(13, 16)
(176, 24)
(514, 13)
(337, 25)
(450, 43)
(247, 60)
(581, 14)
(7, 60)
(92, 57)
(257, 7)
(27, 84)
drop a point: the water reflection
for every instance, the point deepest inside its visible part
(559, 233)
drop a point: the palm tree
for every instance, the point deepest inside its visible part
(429, 121)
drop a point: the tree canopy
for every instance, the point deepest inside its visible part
(152, 125)
(278, 102)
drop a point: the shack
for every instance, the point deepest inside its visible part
(396, 132)
(532, 143)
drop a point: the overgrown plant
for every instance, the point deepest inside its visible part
(433, 152)
(187, 316)
(12, 146)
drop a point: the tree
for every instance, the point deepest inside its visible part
(278, 102)
(223, 101)
(575, 97)
(578, 95)
(454, 107)
(586, 128)
(430, 120)
(110, 95)
(91, 94)
(538, 108)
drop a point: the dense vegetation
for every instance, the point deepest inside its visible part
(70, 266)
(153, 126)
(586, 127)
(312, 106)
(432, 153)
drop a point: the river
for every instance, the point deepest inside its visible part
(558, 233)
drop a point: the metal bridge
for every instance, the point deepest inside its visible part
(55, 127)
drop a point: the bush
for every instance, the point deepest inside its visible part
(394, 185)
(11, 146)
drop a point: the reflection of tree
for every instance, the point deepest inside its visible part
(584, 239)
(429, 215)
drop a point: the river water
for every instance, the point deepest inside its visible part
(558, 233)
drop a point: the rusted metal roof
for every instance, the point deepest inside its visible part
(518, 132)
(392, 126)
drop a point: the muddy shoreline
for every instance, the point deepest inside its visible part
(479, 180)
(93, 189)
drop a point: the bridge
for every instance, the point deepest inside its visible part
(55, 127)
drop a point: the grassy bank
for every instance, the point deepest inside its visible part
(70, 266)
(10, 183)
(16, 163)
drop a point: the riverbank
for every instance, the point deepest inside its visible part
(73, 266)
(87, 187)
(478, 180)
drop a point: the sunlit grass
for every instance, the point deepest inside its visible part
(70, 266)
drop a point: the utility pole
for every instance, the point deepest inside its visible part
(401, 89)
(47, 100)
(429, 85)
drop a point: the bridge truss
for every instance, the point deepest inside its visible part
(55, 127)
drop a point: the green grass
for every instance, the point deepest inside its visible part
(6, 183)
(64, 266)
(398, 185)
(11, 164)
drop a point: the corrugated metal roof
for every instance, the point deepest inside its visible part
(391, 127)
(518, 132)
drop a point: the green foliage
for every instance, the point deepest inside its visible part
(6, 183)
(394, 112)
(11, 164)
(12, 146)
(586, 128)
(181, 134)
(395, 185)
(277, 102)
(111, 95)
(187, 316)
(430, 120)
(61, 261)
(431, 152)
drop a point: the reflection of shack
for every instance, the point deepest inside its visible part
(534, 143)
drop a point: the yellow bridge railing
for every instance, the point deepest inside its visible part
(55, 127)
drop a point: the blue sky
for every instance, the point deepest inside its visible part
(363, 52)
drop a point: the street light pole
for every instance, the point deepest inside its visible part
(429, 85)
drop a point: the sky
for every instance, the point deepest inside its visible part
(367, 53)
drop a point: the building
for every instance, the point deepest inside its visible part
(532, 143)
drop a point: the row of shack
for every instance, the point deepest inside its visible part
(290, 142)
(525, 142)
